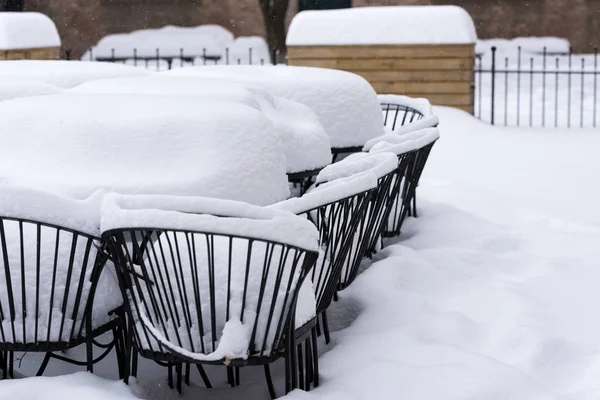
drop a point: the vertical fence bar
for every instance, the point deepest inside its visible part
(274, 56)
(556, 74)
(91, 54)
(595, 107)
(569, 82)
(250, 56)
(157, 59)
(544, 88)
(519, 86)
(493, 84)
(227, 56)
(112, 54)
(181, 57)
(531, 91)
(582, 92)
(505, 91)
(479, 90)
(135, 57)
(203, 56)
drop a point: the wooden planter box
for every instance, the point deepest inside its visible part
(441, 73)
(42, 53)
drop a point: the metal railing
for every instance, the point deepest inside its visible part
(538, 90)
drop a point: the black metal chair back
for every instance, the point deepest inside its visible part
(395, 115)
(47, 285)
(190, 293)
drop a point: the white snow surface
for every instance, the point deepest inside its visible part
(169, 40)
(304, 139)
(345, 103)
(402, 143)
(378, 164)
(383, 25)
(27, 30)
(75, 144)
(529, 44)
(489, 294)
(420, 104)
(327, 193)
(64, 74)
(14, 88)
(176, 41)
(81, 385)
(202, 214)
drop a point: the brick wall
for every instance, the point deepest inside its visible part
(83, 22)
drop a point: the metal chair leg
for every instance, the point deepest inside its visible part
(315, 357)
(326, 328)
(43, 365)
(300, 368)
(179, 373)
(204, 376)
(170, 377)
(187, 374)
(270, 382)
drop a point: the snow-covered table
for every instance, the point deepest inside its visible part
(306, 144)
(75, 144)
(345, 103)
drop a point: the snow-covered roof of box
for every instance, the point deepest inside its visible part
(383, 25)
(27, 30)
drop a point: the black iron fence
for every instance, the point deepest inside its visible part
(514, 88)
(537, 90)
(167, 60)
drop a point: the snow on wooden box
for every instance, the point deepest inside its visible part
(28, 36)
(418, 51)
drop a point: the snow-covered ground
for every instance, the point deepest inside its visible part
(490, 294)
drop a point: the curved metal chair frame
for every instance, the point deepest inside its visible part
(68, 278)
(399, 115)
(370, 227)
(142, 267)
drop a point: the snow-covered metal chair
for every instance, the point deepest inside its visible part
(366, 238)
(218, 282)
(412, 150)
(403, 115)
(337, 209)
(56, 292)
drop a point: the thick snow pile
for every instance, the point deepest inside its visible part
(383, 25)
(43, 257)
(535, 45)
(402, 143)
(346, 104)
(27, 30)
(64, 74)
(239, 294)
(212, 41)
(81, 385)
(379, 164)
(304, 139)
(78, 143)
(16, 87)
